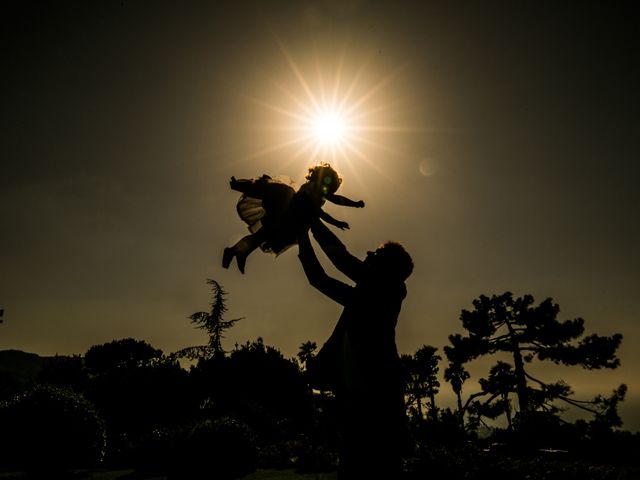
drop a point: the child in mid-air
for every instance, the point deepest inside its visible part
(275, 212)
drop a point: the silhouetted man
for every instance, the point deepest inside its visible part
(359, 361)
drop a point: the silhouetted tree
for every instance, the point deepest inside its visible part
(213, 323)
(456, 375)
(422, 380)
(607, 408)
(500, 383)
(136, 388)
(256, 384)
(503, 324)
(126, 353)
(306, 352)
(65, 371)
(498, 386)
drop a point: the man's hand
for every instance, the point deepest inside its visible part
(342, 225)
(360, 204)
(234, 184)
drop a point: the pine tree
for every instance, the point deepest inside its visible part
(525, 332)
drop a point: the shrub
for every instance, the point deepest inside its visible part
(223, 449)
(50, 428)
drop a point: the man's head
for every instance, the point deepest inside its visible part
(392, 260)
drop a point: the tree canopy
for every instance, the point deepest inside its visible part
(526, 332)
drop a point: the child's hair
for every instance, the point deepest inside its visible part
(326, 176)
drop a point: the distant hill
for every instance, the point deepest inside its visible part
(18, 368)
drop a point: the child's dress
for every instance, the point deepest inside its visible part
(277, 211)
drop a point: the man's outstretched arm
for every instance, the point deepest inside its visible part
(332, 288)
(333, 248)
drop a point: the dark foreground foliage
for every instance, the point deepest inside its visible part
(470, 463)
(50, 429)
(541, 449)
(126, 404)
(223, 449)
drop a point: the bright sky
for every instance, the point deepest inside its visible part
(498, 144)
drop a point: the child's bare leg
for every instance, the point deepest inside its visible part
(244, 247)
(227, 256)
(241, 250)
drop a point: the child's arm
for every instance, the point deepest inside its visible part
(336, 223)
(344, 201)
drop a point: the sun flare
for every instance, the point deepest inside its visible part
(329, 128)
(336, 111)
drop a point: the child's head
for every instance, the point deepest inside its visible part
(325, 177)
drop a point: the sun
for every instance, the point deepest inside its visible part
(329, 128)
(333, 111)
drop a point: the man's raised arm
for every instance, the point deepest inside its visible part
(333, 248)
(332, 288)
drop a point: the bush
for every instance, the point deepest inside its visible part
(470, 463)
(50, 428)
(223, 449)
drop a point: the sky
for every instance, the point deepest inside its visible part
(497, 141)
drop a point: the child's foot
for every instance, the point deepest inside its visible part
(227, 256)
(241, 259)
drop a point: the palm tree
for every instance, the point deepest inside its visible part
(456, 375)
(306, 352)
(422, 382)
(500, 384)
